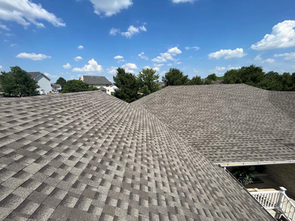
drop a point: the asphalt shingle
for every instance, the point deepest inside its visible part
(90, 156)
(229, 123)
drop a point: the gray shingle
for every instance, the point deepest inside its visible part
(229, 123)
(96, 80)
(98, 158)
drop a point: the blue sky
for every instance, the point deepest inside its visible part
(198, 37)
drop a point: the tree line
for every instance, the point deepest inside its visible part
(132, 87)
(255, 76)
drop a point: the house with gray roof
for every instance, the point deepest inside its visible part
(43, 81)
(90, 156)
(96, 81)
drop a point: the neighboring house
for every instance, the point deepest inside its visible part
(55, 88)
(96, 81)
(109, 90)
(90, 156)
(43, 81)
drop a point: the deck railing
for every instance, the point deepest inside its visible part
(278, 201)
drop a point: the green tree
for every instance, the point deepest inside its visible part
(127, 84)
(175, 77)
(232, 77)
(212, 77)
(61, 81)
(148, 81)
(195, 81)
(18, 82)
(76, 86)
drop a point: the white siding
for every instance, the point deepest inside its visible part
(44, 84)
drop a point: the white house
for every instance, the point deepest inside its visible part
(43, 81)
(109, 90)
(55, 88)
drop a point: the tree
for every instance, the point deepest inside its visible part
(76, 86)
(148, 81)
(232, 77)
(175, 77)
(18, 82)
(212, 77)
(61, 81)
(195, 81)
(127, 84)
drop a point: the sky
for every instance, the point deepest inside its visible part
(70, 38)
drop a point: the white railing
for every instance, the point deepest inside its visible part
(278, 201)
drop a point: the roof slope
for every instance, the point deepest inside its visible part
(96, 80)
(34, 75)
(85, 156)
(229, 123)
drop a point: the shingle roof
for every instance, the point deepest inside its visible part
(96, 80)
(90, 156)
(229, 123)
(34, 75)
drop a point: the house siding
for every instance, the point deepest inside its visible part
(44, 84)
(284, 175)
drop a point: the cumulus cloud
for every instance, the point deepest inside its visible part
(80, 47)
(67, 66)
(33, 56)
(25, 13)
(78, 58)
(258, 58)
(119, 57)
(92, 67)
(174, 51)
(110, 7)
(182, 1)
(132, 31)
(287, 56)
(164, 57)
(282, 36)
(141, 55)
(114, 31)
(228, 53)
(192, 48)
(129, 67)
(1, 67)
(112, 70)
(4, 27)
(269, 60)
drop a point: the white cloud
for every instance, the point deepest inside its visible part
(182, 1)
(141, 55)
(282, 36)
(9, 34)
(194, 48)
(156, 69)
(228, 53)
(1, 67)
(4, 27)
(288, 56)
(92, 67)
(78, 58)
(269, 60)
(112, 70)
(13, 45)
(80, 47)
(67, 66)
(258, 58)
(114, 31)
(163, 57)
(129, 67)
(50, 76)
(132, 31)
(174, 51)
(233, 68)
(25, 13)
(33, 56)
(110, 7)
(158, 65)
(119, 57)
